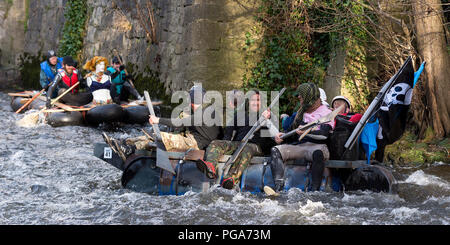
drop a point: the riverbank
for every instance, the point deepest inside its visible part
(410, 151)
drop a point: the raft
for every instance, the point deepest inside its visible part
(140, 174)
(76, 113)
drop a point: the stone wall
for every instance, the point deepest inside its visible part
(27, 28)
(197, 40)
(45, 24)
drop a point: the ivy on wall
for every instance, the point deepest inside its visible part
(73, 32)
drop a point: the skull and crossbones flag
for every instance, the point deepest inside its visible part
(384, 121)
(395, 104)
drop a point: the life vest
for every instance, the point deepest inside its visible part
(69, 81)
(46, 68)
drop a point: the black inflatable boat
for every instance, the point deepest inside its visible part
(76, 115)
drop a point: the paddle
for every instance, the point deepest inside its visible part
(325, 119)
(162, 159)
(32, 118)
(31, 100)
(249, 136)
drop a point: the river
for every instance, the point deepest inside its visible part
(50, 176)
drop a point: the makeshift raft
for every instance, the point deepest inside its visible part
(140, 174)
(68, 115)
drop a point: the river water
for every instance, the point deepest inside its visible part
(50, 176)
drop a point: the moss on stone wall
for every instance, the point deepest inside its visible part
(149, 80)
(29, 69)
(409, 151)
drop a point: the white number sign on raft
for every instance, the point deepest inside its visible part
(107, 153)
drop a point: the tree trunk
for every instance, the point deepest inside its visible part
(432, 47)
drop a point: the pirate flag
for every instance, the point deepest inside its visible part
(396, 103)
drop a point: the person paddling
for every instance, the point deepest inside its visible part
(194, 136)
(121, 88)
(65, 78)
(310, 149)
(227, 146)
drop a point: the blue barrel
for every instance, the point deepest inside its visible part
(252, 179)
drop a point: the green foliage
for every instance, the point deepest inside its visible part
(282, 66)
(287, 56)
(299, 37)
(27, 15)
(74, 28)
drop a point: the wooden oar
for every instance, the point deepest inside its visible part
(141, 103)
(325, 119)
(20, 95)
(29, 102)
(162, 159)
(32, 118)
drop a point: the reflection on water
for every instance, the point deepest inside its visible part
(50, 176)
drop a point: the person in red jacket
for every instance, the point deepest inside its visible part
(338, 101)
(66, 78)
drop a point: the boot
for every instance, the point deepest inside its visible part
(318, 165)
(228, 183)
(132, 90)
(123, 149)
(207, 168)
(277, 168)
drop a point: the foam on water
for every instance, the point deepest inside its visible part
(421, 178)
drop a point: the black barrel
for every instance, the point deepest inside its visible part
(16, 104)
(142, 175)
(105, 114)
(371, 177)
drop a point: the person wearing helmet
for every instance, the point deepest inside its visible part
(121, 88)
(338, 101)
(193, 136)
(49, 69)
